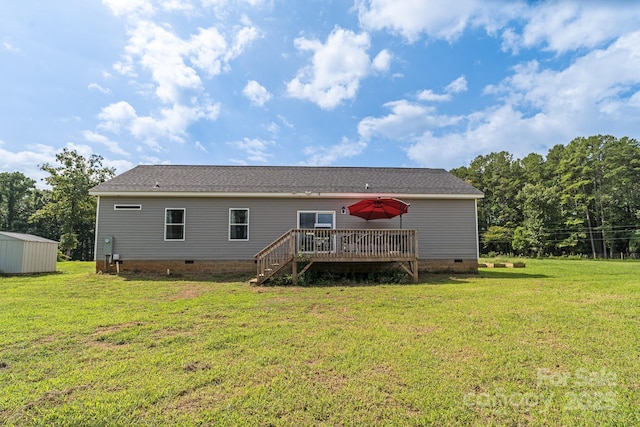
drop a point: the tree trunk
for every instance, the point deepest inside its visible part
(593, 246)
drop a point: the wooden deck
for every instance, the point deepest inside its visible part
(308, 246)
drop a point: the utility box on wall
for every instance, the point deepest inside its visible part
(108, 245)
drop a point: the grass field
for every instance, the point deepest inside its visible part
(556, 343)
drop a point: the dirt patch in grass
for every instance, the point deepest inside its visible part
(423, 330)
(196, 366)
(101, 330)
(107, 336)
(189, 291)
(549, 339)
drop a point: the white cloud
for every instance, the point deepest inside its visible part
(129, 7)
(208, 49)
(406, 121)
(96, 86)
(243, 38)
(119, 165)
(255, 149)
(285, 122)
(161, 52)
(177, 6)
(382, 61)
(201, 147)
(82, 149)
(457, 86)
(429, 95)
(441, 19)
(174, 62)
(563, 26)
(114, 116)
(256, 93)
(113, 146)
(172, 67)
(590, 80)
(28, 161)
(219, 5)
(324, 156)
(171, 123)
(273, 128)
(9, 47)
(559, 26)
(336, 68)
(538, 108)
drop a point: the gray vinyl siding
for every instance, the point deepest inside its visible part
(446, 228)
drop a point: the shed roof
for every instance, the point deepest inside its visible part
(24, 237)
(265, 180)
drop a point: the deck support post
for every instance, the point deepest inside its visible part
(294, 270)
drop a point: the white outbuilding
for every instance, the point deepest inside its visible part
(26, 253)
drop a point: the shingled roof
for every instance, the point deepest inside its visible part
(270, 180)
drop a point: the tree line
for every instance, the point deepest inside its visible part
(65, 212)
(583, 198)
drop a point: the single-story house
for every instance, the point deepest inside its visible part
(218, 219)
(25, 253)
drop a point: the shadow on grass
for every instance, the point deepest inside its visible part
(217, 278)
(429, 279)
(508, 274)
(425, 279)
(32, 275)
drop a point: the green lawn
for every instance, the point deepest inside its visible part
(556, 343)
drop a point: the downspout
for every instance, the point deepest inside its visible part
(475, 205)
(95, 249)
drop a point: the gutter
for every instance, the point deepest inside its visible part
(292, 195)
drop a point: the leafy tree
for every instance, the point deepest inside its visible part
(576, 169)
(634, 242)
(497, 239)
(500, 178)
(620, 191)
(584, 197)
(15, 189)
(45, 227)
(540, 216)
(533, 169)
(70, 204)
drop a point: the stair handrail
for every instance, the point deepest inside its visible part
(274, 243)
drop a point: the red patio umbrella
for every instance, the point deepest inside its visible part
(379, 208)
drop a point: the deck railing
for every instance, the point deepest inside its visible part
(337, 245)
(356, 243)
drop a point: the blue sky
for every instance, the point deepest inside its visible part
(405, 83)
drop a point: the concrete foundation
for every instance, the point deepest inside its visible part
(248, 267)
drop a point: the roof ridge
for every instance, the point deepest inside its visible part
(292, 166)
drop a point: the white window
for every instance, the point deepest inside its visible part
(316, 219)
(238, 224)
(317, 240)
(174, 223)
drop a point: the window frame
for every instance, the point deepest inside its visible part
(316, 223)
(232, 224)
(183, 224)
(307, 243)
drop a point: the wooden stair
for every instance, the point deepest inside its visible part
(275, 257)
(309, 246)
